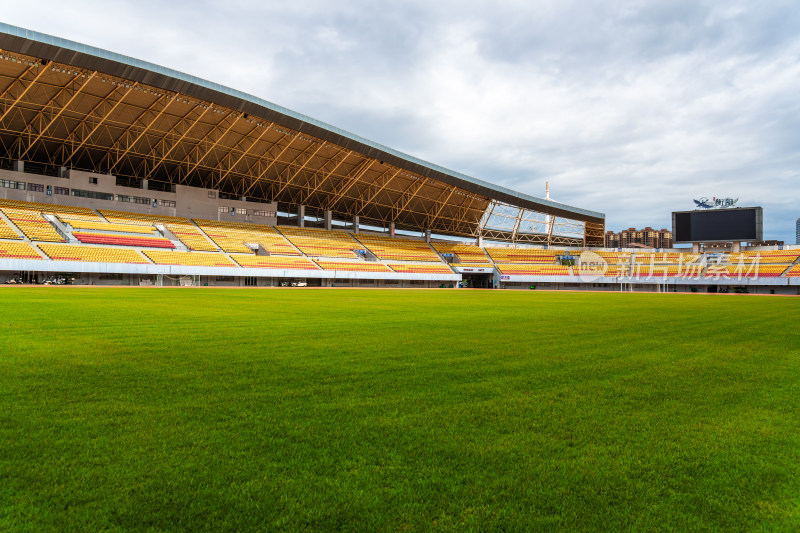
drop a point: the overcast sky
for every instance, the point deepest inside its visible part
(631, 108)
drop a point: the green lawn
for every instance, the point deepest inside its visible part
(214, 409)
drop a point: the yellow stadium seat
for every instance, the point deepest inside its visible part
(322, 243)
(161, 257)
(233, 237)
(93, 254)
(18, 250)
(398, 248)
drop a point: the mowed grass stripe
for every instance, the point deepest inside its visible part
(206, 409)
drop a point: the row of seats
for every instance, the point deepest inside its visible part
(32, 224)
(523, 255)
(794, 272)
(7, 232)
(353, 266)
(182, 228)
(161, 257)
(274, 261)
(322, 243)
(665, 258)
(420, 268)
(463, 254)
(94, 254)
(233, 237)
(747, 270)
(124, 240)
(17, 250)
(397, 248)
(612, 271)
(513, 269)
(64, 252)
(767, 256)
(108, 226)
(58, 210)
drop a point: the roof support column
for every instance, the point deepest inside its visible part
(145, 184)
(328, 217)
(479, 241)
(301, 216)
(355, 224)
(19, 166)
(391, 229)
(427, 235)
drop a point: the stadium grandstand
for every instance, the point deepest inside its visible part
(117, 171)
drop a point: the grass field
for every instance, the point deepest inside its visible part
(201, 409)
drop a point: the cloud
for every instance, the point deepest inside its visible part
(627, 107)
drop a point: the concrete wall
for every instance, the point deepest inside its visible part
(190, 202)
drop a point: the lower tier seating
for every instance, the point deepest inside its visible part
(610, 271)
(93, 254)
(692, 270)
(82, 213)
(420, 268)
(280, 262)
(523, 255)
(533, 270)
(124, 240)
(746, 270)
(794, 272)
(353, 266)
(161, 257)
(17, 250)
(766, 256)
(397, 248)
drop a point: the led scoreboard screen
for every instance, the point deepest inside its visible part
(718, 225)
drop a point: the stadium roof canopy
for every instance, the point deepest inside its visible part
(64, 103)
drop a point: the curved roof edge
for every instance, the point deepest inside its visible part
(29, 42)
